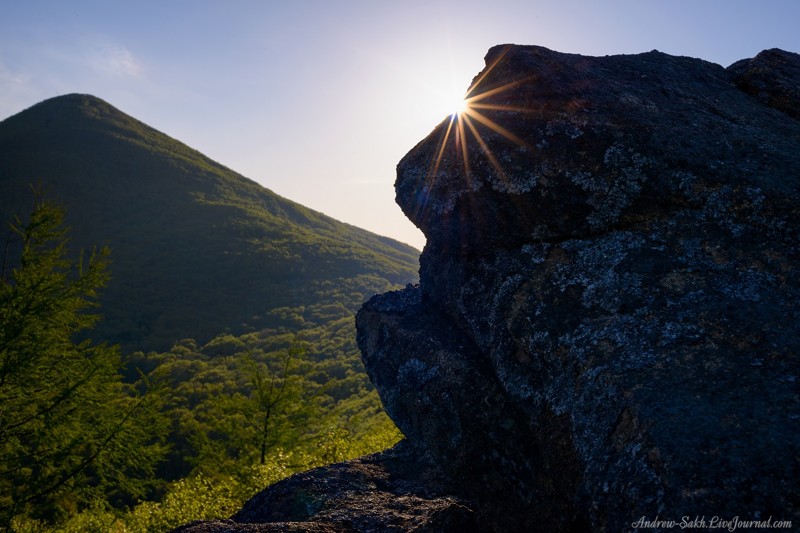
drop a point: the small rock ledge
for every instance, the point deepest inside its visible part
(388, 491)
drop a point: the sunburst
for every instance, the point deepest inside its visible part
(467, 112)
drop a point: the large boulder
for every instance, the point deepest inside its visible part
(606, 326)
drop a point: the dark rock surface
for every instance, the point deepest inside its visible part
(773, 77)
(606, 326)
(620, 248)
(389, 491)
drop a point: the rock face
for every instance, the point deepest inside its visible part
(606, 328)
(606, 325)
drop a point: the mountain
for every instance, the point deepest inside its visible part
(196, 248)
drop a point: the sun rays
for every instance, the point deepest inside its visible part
(465, 120)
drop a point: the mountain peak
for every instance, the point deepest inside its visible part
(79, 99)
(64, 107)
(197, 249)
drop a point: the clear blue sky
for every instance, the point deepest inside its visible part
(318, 100)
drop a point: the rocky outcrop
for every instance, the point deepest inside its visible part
(773, 77)
(609, 291)
(390, 491)
(606, 326)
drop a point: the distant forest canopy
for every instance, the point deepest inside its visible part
(205, 350)
(196, 248)
(90, 440)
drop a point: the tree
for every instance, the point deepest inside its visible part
(268, 392)
(70, 431)
(281, 402)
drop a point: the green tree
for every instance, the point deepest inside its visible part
(269, 392)
(71, 433)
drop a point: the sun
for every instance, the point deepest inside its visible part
(468, 116)
(450, 103)
(457, 104)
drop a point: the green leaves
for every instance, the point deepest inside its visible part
(63, 408)
(78, 445)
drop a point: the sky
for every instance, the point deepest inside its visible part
(318, 100)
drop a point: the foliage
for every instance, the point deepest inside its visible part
(81, 450)
(236, 399)
(80, 447)
(234, 311)
(201, 497)
(70, 430)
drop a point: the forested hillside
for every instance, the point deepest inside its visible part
(173, 336)
(197, 249)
